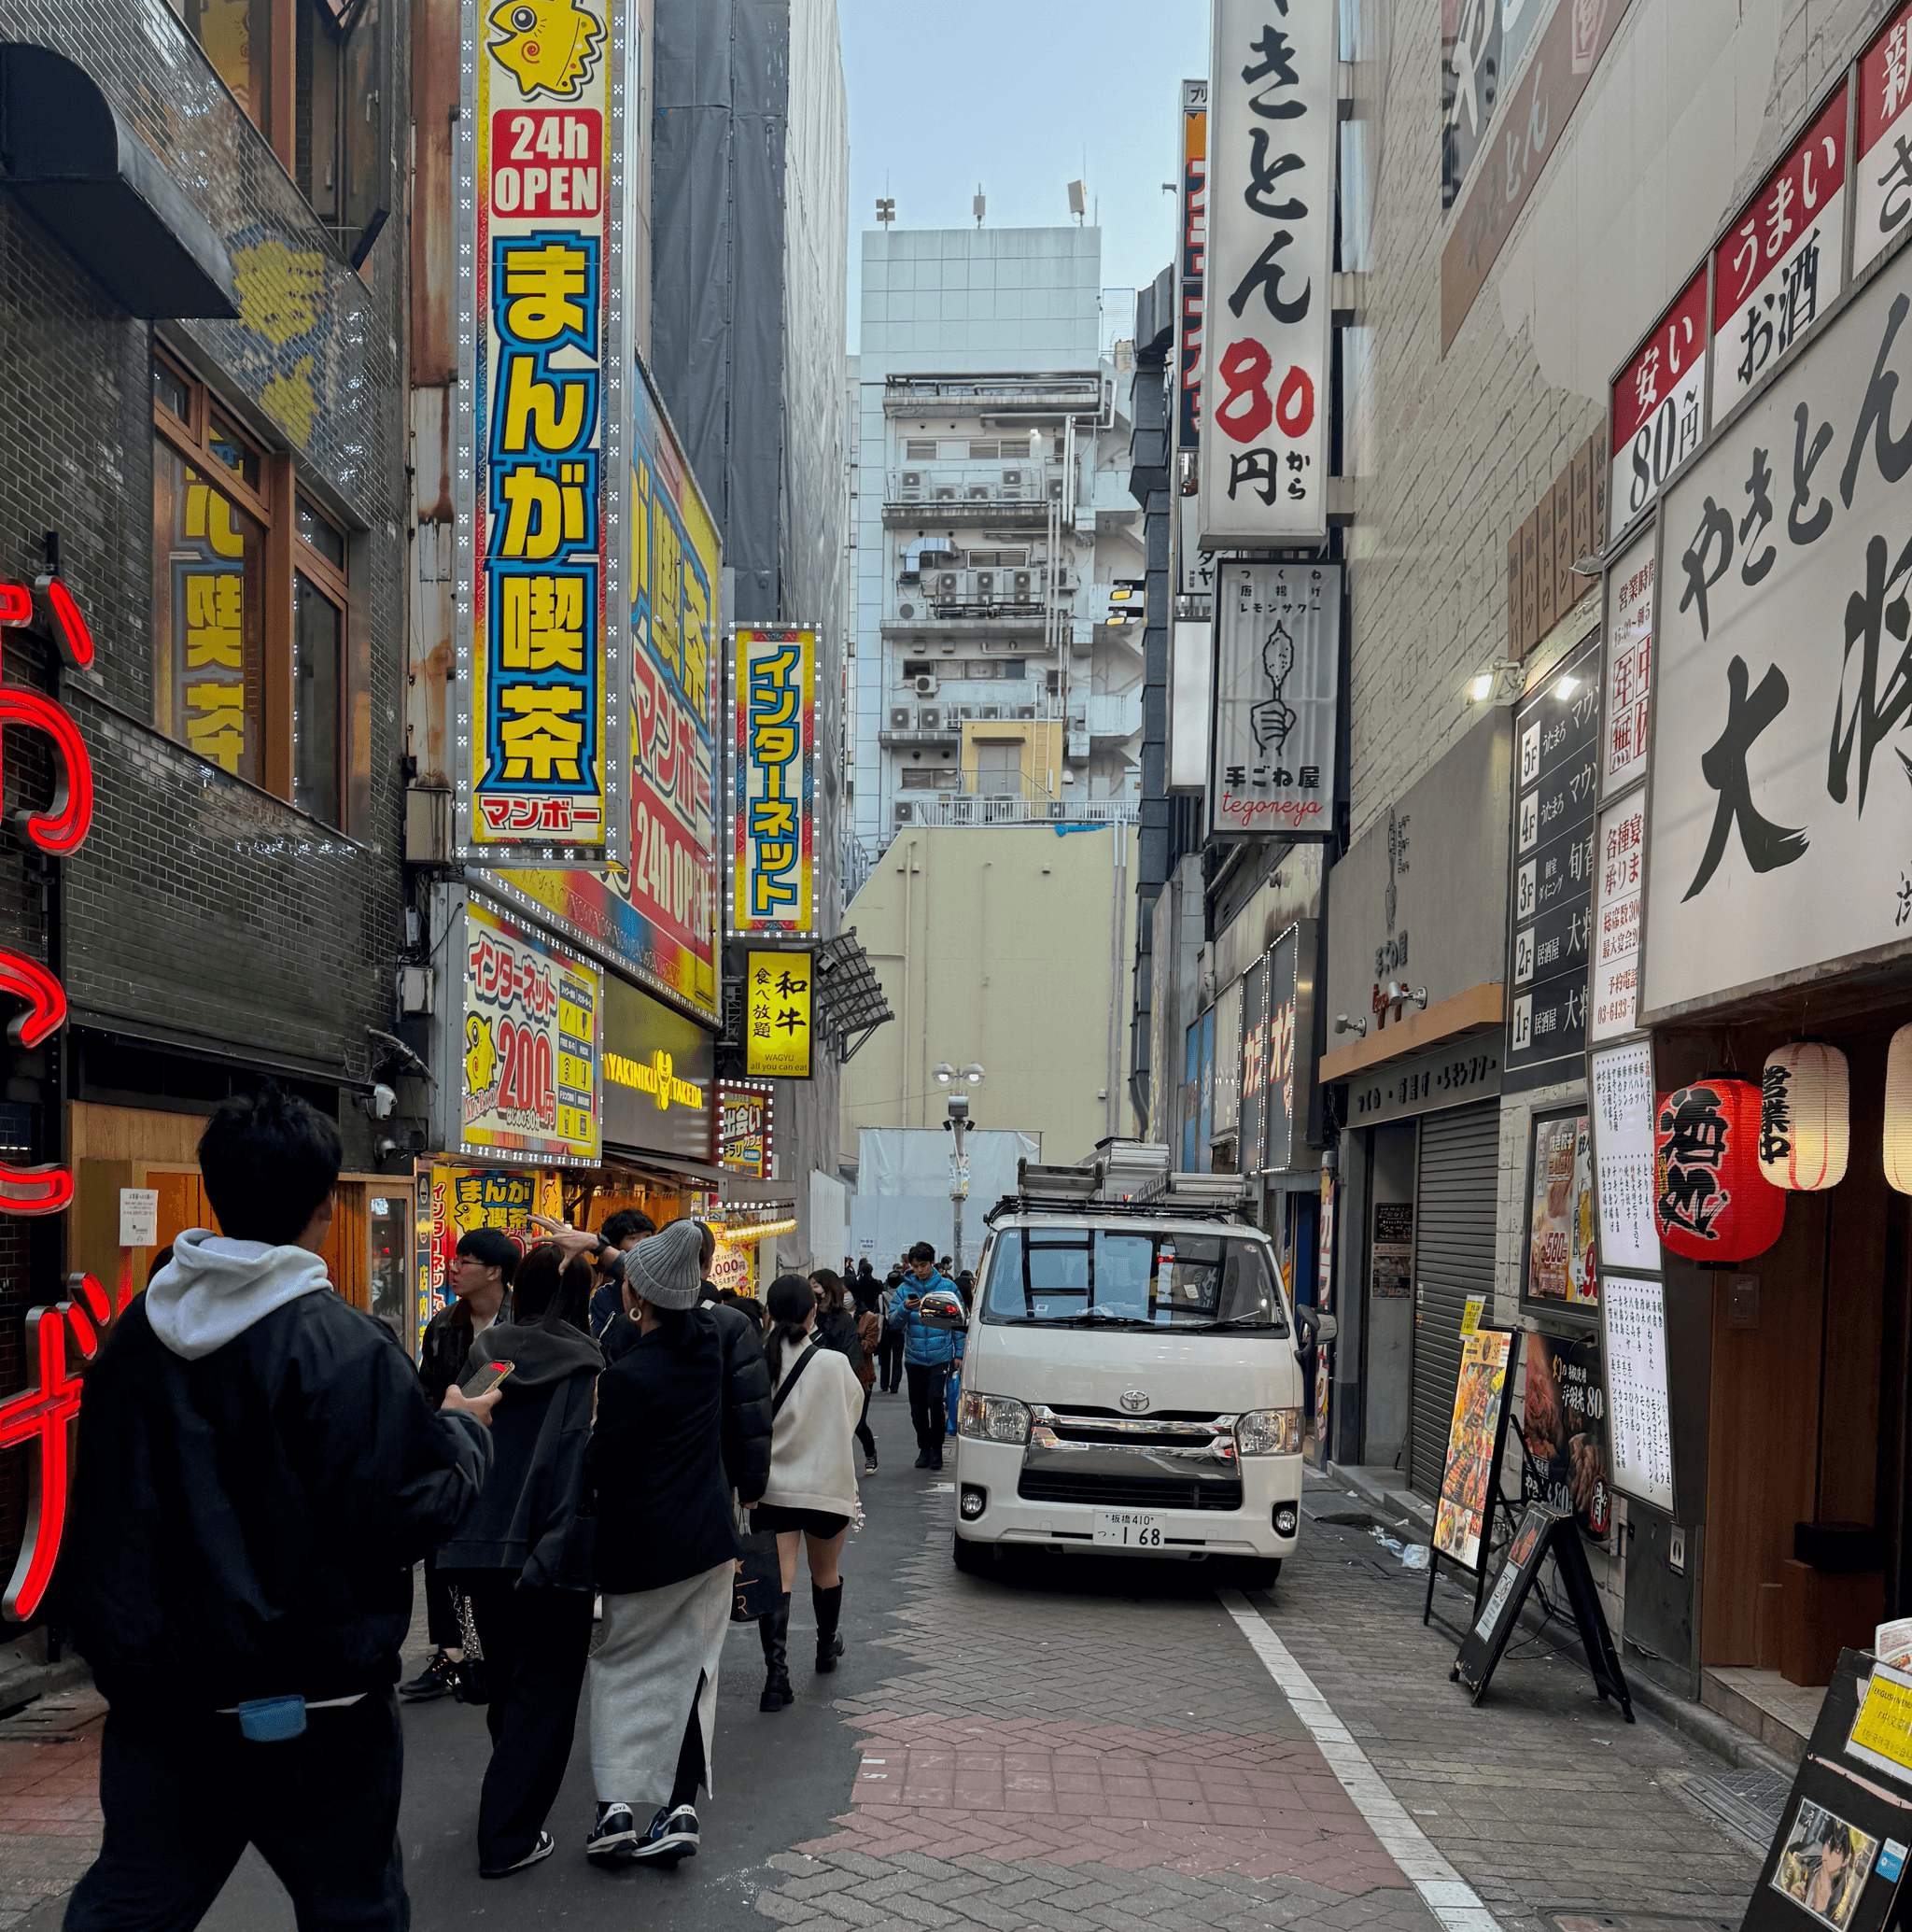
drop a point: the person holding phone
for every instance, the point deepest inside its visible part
(927, 1353)
(522, 1555)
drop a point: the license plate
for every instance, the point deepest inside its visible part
(1129, 1528)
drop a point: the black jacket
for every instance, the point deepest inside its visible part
(245, 1525)
(526, 1518)
(837, 1330)
(447, 1342)
(683, 1418)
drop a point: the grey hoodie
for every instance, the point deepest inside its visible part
(214, 1289)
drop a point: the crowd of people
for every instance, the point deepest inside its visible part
(595, 1446)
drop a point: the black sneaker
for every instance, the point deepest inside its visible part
(613, 1840)
(935, 1462)
(922, 1458)
(544, 1847)
(672, 1836)
(434, 1681)
(869, 1465)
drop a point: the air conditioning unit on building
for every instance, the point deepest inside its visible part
(930, 718)
(906, 813)
(978, 493)
(1067, 579)
(1012, 480)
(926, 687)
(964, 712)
(906, 610)
(946, 495)
(990, 712)
(1055, 489)
(912, 486)
(986, 584)
(947, 584)
(1024, 581)
(1025, 711)
(899, 717)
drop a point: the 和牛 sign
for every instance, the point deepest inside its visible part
(1267, 293)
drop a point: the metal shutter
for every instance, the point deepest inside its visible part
(1454, 1258)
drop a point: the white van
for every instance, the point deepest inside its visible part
(1131, 1377)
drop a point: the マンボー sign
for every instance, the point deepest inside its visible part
(1268, 301)
(1780, 834)
(539, 479)
(774, 825)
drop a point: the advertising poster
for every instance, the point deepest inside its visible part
(1391, 1256)
(1272, 137)
(531, 1044)
(1623, 1088)
(1823, 1865)
(1560, 1224)
(1657, 405)
(774, 822)
(456, 1200)
(658, 917)
(541, 430)
(1480, 1402)
(1565, 1418)
(743, 1130)
(659, 1075)
(1883, 178)
(1277, 694)
(777, 1016)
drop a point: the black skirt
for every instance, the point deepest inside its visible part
(814, 1522)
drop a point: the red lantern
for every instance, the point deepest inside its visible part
(1710, 1201)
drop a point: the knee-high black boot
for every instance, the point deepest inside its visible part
(775, 1631)
(828, 1604)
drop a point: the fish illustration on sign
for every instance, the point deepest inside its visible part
(548, 45)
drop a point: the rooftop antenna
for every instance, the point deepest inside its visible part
(978, 204)
(1078, 201)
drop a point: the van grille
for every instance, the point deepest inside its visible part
(1128, 1492)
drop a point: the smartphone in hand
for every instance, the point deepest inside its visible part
(485, 1381)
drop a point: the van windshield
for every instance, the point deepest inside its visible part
(1085, 1278)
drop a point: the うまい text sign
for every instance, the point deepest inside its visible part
(1267, 293)
(773, 825)
(539, 469)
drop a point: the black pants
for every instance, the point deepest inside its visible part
(536, 1643)
(184, 1797)
(863, 1426)
(926, 1386)
(441, 1611)
(890, 1363)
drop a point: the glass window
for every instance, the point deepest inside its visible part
(237, 36)
(209, 609)
(389, 1259)
(227, 446)
(171, 392)
(317, 647)
(1131, 1277)
(323, 535)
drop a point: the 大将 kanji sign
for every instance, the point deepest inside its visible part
(42, 1415)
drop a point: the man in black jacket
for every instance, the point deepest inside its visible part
(258, 1470)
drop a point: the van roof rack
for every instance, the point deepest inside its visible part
(1143, 1190)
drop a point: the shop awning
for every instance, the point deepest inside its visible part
(73, 163)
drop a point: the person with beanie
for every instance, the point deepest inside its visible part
(684, 1419)
(811, 1493)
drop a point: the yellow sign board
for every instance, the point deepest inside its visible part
(1882, 1733)
(778, 1034)
(1471, 1316)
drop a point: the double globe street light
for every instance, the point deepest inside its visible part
(957, 1123)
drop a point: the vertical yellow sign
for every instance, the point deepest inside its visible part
(778, 1032)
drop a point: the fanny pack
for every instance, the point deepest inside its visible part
(274, 1720)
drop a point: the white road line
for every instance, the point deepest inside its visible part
(1447, 1895)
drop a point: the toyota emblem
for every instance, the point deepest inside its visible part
(1134, 1400)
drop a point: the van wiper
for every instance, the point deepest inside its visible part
(1091, 1317)
(1258, 1319)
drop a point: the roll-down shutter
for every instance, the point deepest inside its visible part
(1454, 1258)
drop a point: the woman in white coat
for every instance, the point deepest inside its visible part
(811, 1494)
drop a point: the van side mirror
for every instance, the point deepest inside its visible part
(941, 1308)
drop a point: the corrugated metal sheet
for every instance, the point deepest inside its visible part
(1454, 1258)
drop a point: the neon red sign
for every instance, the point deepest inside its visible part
(44, 1414)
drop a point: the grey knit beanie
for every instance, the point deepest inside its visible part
(663, 1268)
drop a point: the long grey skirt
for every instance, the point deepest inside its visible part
(645, 1679)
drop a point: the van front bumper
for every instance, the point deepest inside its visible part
(1023, 1501)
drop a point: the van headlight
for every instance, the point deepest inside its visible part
(1267, 1432)
(993, 1419)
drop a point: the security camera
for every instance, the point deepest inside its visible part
(381, 1103)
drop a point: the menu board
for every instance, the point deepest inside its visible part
(1556, 734)
(1639, 1412)
(1616, 921)
(1563, 1415)
(1474, 1441)
(1560, 1224)
(1623, 1088)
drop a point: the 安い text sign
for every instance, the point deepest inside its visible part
(1781, 835)
(542, 431)
(1268, 299)
(1277, 694)
(1659, 401)
(774, 822)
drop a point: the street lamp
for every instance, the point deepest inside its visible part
(957, 1123)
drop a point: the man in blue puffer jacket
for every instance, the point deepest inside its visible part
(927, 1353)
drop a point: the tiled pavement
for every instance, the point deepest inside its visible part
(1089, 1747)
(50, 1814)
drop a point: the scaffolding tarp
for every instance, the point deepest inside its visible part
(902, 1189)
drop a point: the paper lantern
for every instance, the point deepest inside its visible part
(1805, 1117)
(1898, 1136)
(1710, 1201)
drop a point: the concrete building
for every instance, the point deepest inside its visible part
(1008, 947)
(996, 548)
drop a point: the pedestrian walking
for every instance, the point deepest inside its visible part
(258, 1470)
(480, 1279)
(927, 1353)
(869, 1333)
(838, 1327)
(523, 1558)
(890, 1354)
(811, 1493)
(684, 1418)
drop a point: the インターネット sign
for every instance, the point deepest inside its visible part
(773, 823)
(1277, 696)
(1267, 293)
(1780, 831)
(542, 431)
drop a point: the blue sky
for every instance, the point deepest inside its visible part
(1024, 96)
